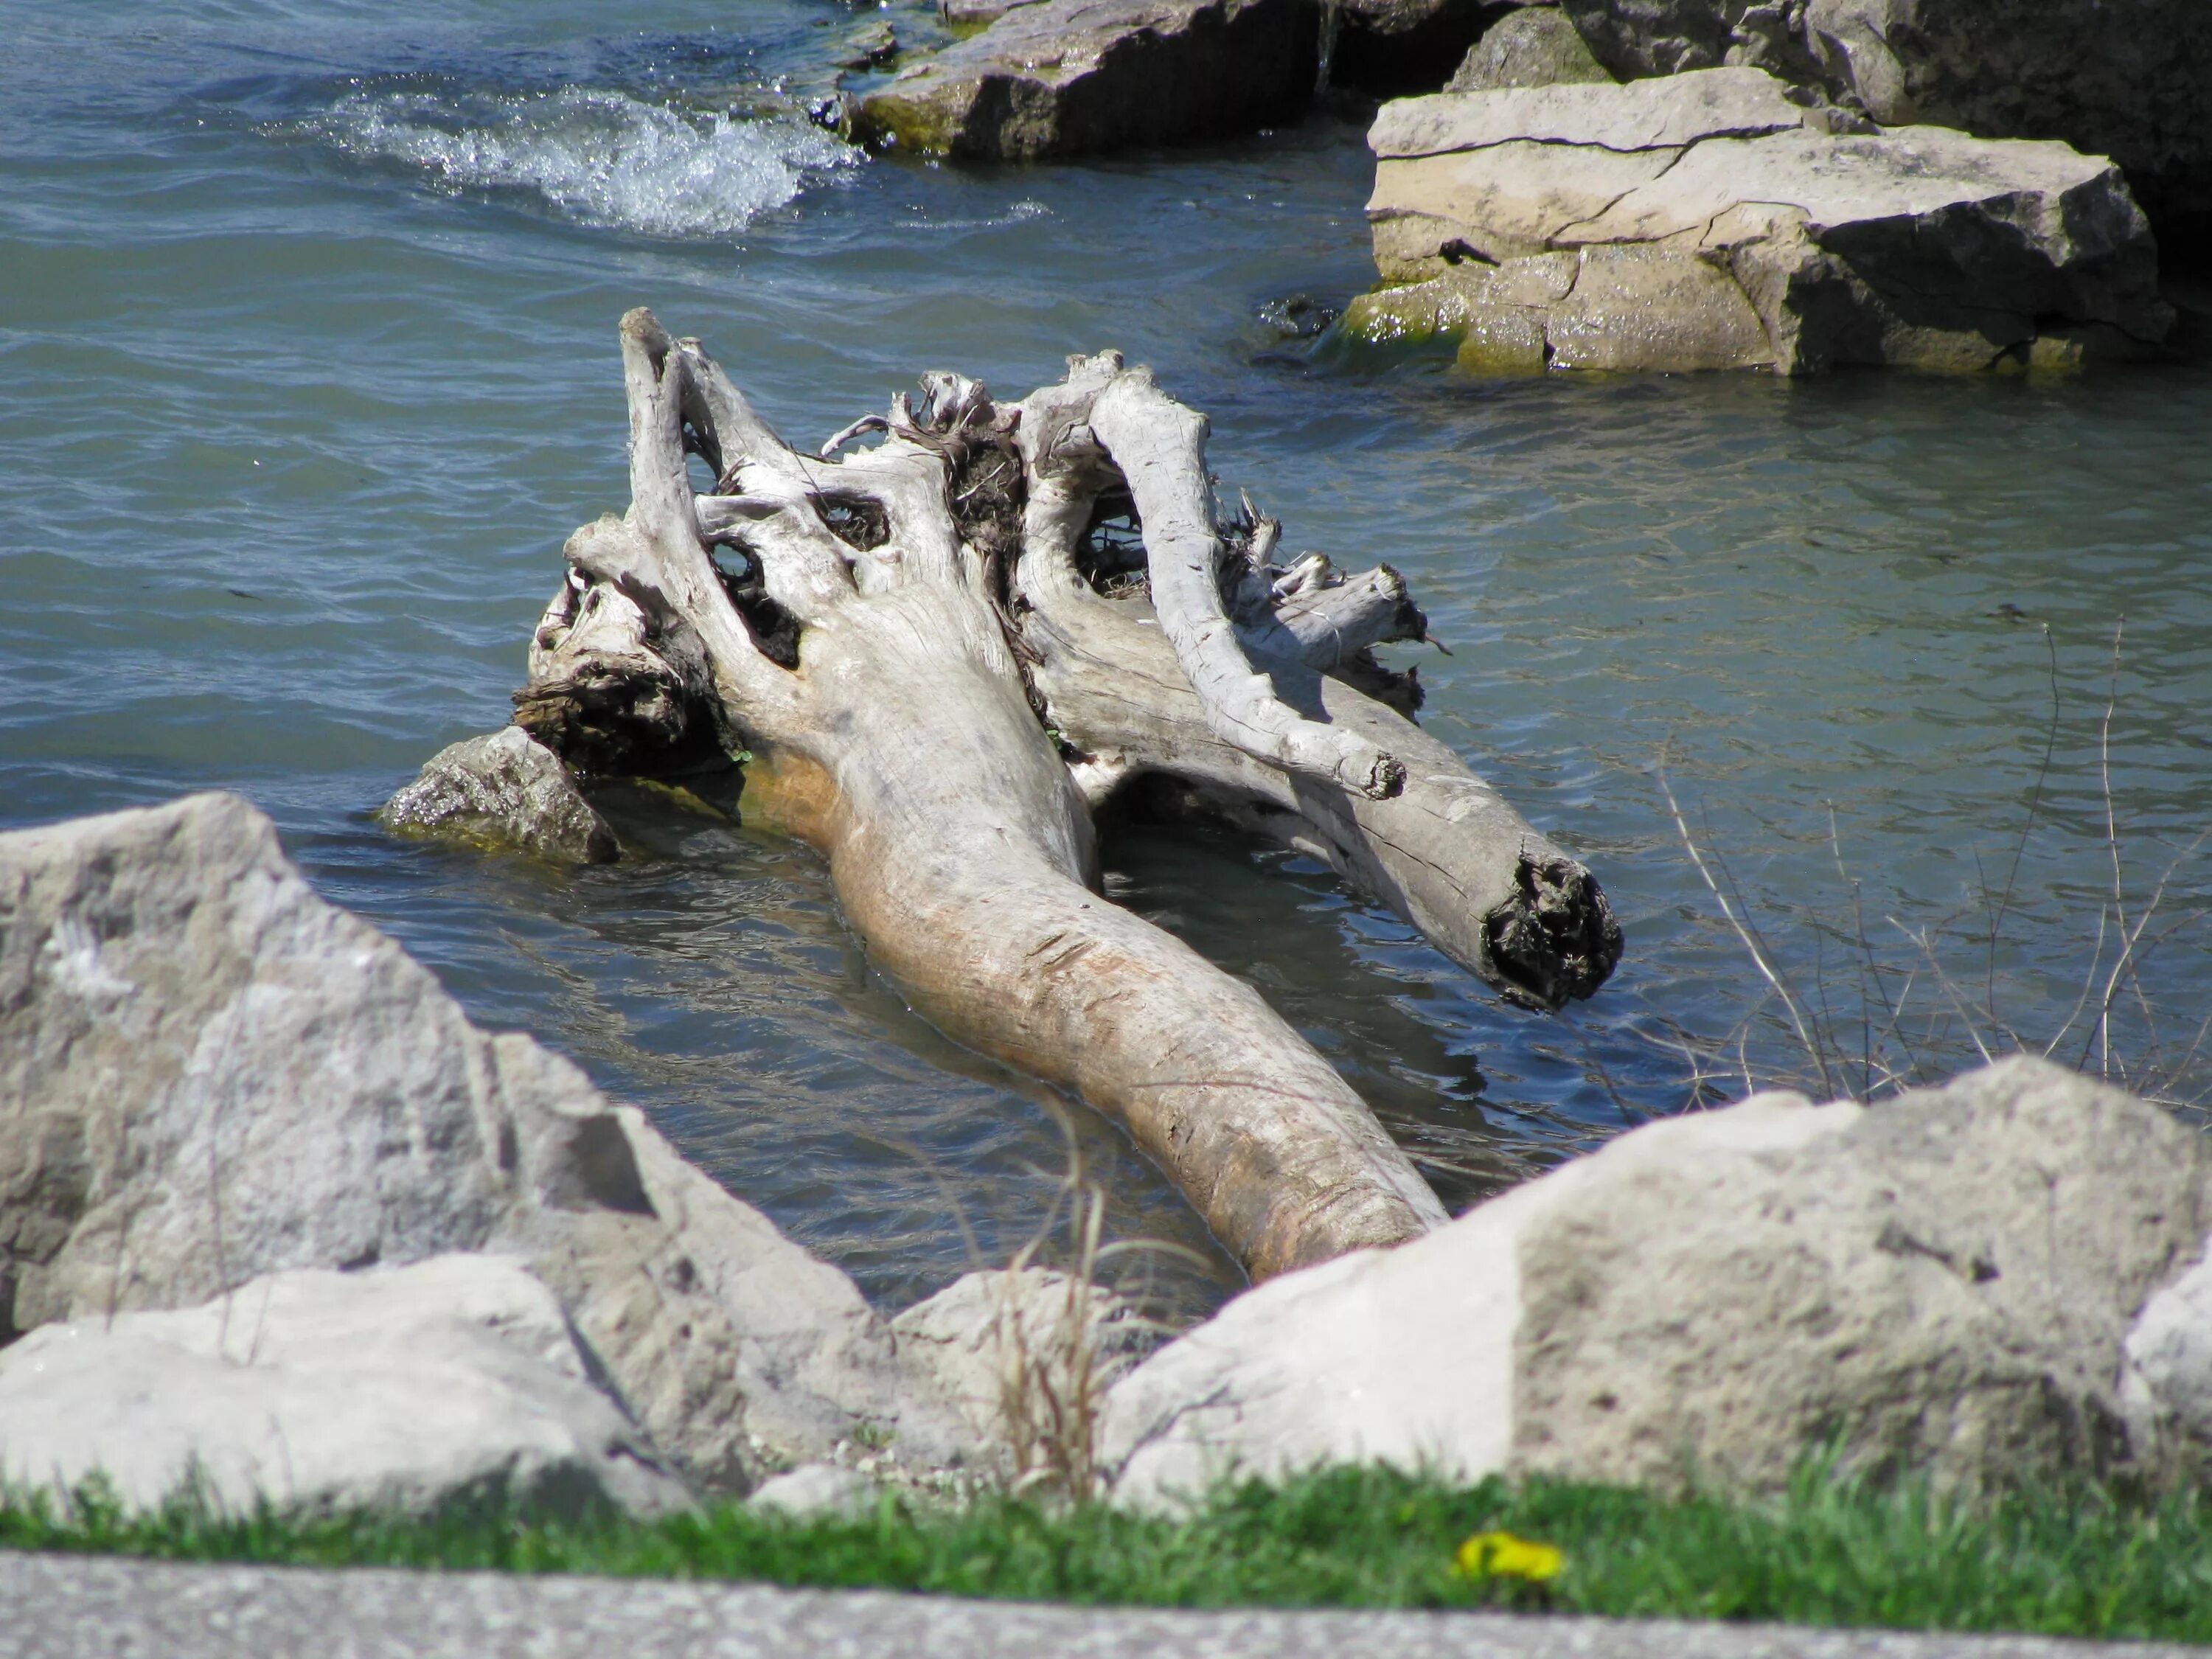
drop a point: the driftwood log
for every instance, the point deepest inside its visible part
(938, 657)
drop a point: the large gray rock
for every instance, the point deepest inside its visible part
(1709, 220)
(1074, 77)
(1534, 47)
(1948, 1281)
(208, 1074)
(1634, 38)
(2131, 80)
(455, 1381)
(504, 790)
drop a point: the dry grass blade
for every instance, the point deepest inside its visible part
(2113, 1028)
(1751, 941)
(1063, 1338)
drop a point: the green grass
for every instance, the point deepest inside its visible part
(1827, 1552)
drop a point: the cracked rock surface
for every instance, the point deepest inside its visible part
(1718, 219)
(1995, 1280)
(209, 1074)
(2133, 82)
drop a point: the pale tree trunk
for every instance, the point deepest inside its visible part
(929, 688)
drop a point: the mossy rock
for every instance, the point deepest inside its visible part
(1493, 339)
(1503, 342)
(1409, 314)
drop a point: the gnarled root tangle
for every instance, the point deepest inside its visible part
(943, 651)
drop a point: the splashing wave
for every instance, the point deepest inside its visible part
(601, 158)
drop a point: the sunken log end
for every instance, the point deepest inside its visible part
(1555, 938)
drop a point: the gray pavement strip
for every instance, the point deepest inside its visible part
(66, 1607)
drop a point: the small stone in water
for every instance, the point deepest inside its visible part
(1297, 316)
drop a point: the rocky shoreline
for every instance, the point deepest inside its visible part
(1691, 185)
(275, 1216)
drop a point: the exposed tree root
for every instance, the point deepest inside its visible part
(943, 650)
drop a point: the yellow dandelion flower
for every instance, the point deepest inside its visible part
(1502, 1555)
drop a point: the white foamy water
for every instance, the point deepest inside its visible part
(602, 158)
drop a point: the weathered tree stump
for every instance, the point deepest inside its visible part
(941, 654)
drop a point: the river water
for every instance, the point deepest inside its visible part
(307, 367)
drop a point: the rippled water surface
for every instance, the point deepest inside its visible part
(307, 367)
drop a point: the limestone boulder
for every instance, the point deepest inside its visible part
(1536, 47)
(1986, 1282)
(1636, 39)
(2165, 1379)
(208, 1074)
(988, 1336)
(454, 1382)
(1715, 220)
(2132, 80)
(504, 790)
(1057, 78)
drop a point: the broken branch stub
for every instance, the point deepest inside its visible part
(884, 634)
(1159, 448)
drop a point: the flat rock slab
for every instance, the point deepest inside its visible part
(1073, 77)
(1660, 114)
(456, 1380)
(57, 1607)
(2132, 81)
(1715, 220)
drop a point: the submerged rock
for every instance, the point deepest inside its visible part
(1711, 221)
(2132, 82)
(455, 1381)
(209, 1074)
(1535, 47)
(1055, 78)
(874, 44)
(505, 789)
(1946, 1282)
(1296, 316)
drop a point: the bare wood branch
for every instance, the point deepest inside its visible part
(1449, 853)
(908, 482)
(1160, 447)
(1332, 625)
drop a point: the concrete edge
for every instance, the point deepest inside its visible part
(65, 1606)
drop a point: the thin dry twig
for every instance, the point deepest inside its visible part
(1055, 1365)
(1751, 941)
(2109, 988)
